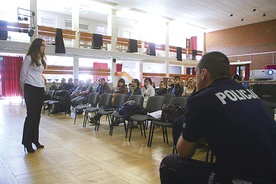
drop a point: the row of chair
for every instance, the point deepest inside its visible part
(103, 105)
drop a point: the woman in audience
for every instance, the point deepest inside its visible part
(191, 87)
(148, 90)
(135, 89)
(121, 87)
(170, 85)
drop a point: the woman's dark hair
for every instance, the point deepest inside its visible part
(136, 81)
(34, 51)
(216, 63)
(148, 79)
(121, 80)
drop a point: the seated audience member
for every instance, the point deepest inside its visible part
(121, 87)
(170, 85)
(237, 77)
(63, 82)
(177, 89)
(98, 86)
(190, 88)
(129, 87)
(68, 86)
(236, 125)
(77, 91)
(53, 86)
(148, 90)
(104, 87)
(76, 83)
(135, 89)
(82, 97)
(162, 88)
(153, 85)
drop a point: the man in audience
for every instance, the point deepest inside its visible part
(68, 86)
(236, 125)
(104, 87)
(63, 82)
(177, 89)
(162, 88)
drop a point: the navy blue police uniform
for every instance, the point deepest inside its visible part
(238, 129)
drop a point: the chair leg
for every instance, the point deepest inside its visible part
(152, 133)
(85, 118)
(150, 130)
(166, 133)
(75, 117)
(163, 133)
(141, 130)
(127, 128)
(130, 131)
(149, 137)
(111, 126)
(144, 128)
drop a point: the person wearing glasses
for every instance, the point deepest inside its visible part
(32, 84)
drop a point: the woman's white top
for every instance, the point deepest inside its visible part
(150, 91)
(31, 74)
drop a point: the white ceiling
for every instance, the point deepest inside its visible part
(209, 15)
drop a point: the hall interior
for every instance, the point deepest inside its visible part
(74, 154)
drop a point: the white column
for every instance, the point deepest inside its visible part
(167, 47)
(141, 72)
(167, 68)
(76, 68)
(33, 21)
(76, 22)
(112, 29)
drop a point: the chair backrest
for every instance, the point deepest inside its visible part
(119, 99)
(155, 103)
(139, 100)
(168, 98)
(105, 100)
(182, 101)
(93, 99)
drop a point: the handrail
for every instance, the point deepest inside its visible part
(88, 37)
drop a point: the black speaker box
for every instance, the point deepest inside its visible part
(179, 53)
(151, 49)
(132, 46)
(3, 33)
(97, 42)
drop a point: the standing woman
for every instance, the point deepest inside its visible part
(32, 84)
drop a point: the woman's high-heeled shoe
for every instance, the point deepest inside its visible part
(29, 149)
(38, 145)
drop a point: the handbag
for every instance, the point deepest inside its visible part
(170, 112)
